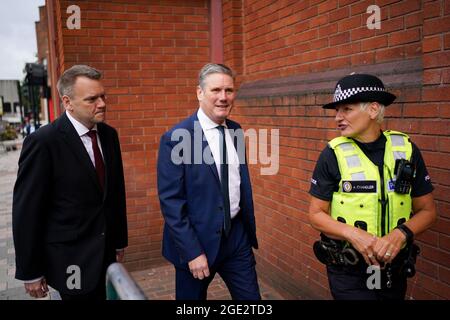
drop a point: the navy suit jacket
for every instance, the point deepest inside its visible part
(191, 199)
(61, 216)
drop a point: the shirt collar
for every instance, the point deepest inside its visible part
(206, 122)
(79, 127)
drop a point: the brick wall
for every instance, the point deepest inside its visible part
(150, 53)
(42, 35)
(288, 56)
(292, 55)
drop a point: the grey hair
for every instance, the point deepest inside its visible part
(380, 115)
(211, 68)
(67, 80)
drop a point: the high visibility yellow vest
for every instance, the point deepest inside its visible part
(359, 200)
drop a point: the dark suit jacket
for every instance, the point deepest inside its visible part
(192, 203)
(61, 217)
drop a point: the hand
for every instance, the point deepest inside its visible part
(37, 289)
(199, 267)
(364, 242)
(387, 247)
(120, 255)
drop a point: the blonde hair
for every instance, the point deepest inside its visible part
(380, 115)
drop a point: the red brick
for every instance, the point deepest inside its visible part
(374, 43)
(402, 37)
(413, 20)
(326, 6)
(389, 54)
(435, 26)
(339, 14)
(433, 43)
(390, 25)
(421, 110)
(444, 242)
(438, 59)
(446, 75)
(404, 7)
(431, 9)
(436, 94)
(350, 23)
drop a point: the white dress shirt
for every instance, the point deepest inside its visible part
(212, 135)
(87, 141)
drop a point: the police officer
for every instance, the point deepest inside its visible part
(371, 194)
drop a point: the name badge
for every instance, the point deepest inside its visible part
(359, 186)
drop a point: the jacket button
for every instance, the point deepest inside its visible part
(401, 203)
(342, 202)
(102, 234)
(220, 208)
(219, 231)
(361, 205)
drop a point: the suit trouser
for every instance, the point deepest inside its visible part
(235, 263)
(99, 292)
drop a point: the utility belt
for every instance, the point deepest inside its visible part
(341, 253)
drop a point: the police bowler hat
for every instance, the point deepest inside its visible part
(360, 88)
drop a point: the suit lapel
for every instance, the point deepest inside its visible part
(195, 127)
(74, 143)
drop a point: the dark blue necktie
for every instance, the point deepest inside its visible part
(224, 181)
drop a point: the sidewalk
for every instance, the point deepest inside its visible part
(10, 289)
(158, 283)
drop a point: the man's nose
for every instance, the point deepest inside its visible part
(222, 95)
(101, 101)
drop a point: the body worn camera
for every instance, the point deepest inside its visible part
(404, 172)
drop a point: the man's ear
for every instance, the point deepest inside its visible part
(66, 103)
(199, 93)
(373, 109)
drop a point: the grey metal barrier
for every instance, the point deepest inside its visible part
(120, 285)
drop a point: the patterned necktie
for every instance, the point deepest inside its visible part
(99, 165)
(224, 181)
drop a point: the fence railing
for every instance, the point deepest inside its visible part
(120, 285)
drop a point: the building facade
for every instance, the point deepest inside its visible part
(288, 55)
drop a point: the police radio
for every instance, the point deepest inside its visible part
(404, 173)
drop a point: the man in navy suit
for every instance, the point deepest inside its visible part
(206, 197)
(69, 212)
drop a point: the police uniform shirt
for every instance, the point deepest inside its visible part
(326, 175)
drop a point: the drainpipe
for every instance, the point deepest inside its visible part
(52, 59)
(216, 31)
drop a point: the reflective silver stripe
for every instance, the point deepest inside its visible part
(397, 140)
(358, 176)
(347, 146)
(399, 155)
(353, 161)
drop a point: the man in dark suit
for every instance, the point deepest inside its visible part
(69, 211)
(206, 197)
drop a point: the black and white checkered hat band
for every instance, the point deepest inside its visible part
(340, 94)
